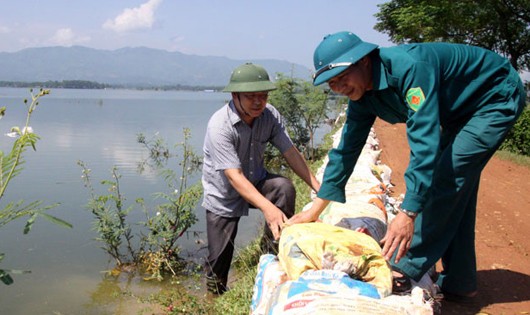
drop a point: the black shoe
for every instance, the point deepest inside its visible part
(214, 285)
(465, 299)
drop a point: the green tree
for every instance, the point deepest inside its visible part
(303, 107)
(313, 101)
(500, 25)
(285, 100)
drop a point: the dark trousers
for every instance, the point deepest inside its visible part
(222, 231)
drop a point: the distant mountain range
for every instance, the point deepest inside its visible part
(139, 66)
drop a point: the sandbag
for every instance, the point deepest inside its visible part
(315, 246)
(270, 274)
(357, 304)
(296, 296)
(353, 208)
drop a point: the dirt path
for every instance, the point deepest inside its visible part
(502, 229)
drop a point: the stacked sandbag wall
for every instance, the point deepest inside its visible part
(328, 267)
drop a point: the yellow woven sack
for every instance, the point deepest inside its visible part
(323, 246)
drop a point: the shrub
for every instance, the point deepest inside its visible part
(518, 139)
(157, 250)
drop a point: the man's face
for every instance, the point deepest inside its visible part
(354, 81)
(253, 103)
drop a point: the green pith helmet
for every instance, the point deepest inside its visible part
(249, 78)
(336, 53)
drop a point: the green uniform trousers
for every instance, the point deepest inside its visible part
(446, 227)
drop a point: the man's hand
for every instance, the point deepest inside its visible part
(302, 217)
(275, 219)
(398, 237)
(310, 215)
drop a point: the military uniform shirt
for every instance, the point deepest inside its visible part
(432, 87)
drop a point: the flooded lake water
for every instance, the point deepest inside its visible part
(98, 127)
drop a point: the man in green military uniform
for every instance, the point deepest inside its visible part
(458, 103)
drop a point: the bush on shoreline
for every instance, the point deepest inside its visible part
(518, 139)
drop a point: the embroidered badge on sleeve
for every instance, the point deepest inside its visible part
(415, 98)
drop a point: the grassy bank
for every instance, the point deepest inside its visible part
(515, 158)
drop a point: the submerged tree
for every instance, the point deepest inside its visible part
(169, 220)
(156, 248)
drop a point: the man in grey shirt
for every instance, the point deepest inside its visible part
(234, 177)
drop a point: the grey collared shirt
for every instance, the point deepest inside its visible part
(232, 143)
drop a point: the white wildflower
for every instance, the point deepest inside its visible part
(27, 129)
(15, 131)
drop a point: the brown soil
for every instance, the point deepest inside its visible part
(502, 228)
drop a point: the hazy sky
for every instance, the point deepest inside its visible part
(252, 29)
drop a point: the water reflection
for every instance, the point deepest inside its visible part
(120, 295)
